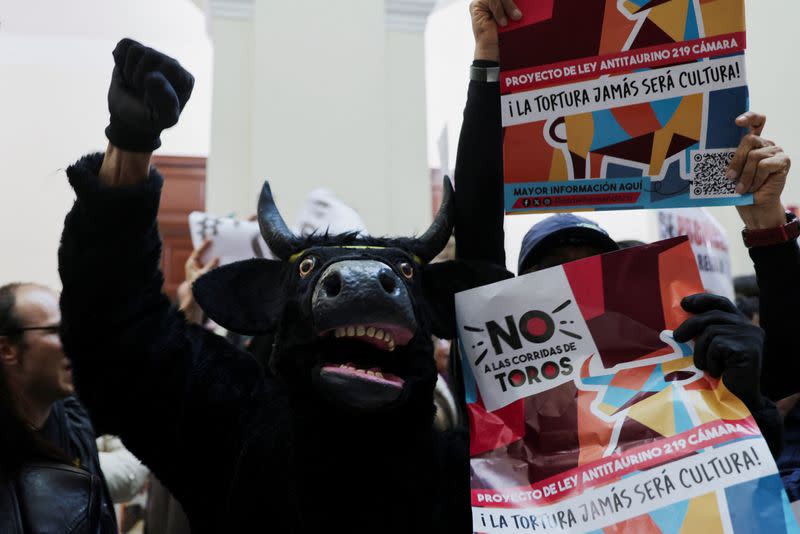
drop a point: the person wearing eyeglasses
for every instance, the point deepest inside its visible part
(37, 377)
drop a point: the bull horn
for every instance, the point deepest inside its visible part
(435, 238)
(279, 238)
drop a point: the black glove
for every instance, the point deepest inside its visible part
(147, 94)
(726, 344)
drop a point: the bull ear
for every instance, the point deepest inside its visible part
(245, 297)
(441, 282)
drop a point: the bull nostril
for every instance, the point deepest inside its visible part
(388, 280)
(332, 284)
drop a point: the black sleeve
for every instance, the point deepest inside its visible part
(778, 273)
(178, 396)
(771, 425)
(479, 193)
(479, 176)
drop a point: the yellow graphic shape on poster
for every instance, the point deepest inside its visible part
(656, 412)
(703, 516)
(671, 18)
(722, 16)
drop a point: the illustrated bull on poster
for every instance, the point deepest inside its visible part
(644, 136)
(631, 135)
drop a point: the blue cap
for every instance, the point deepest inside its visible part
(561, 229)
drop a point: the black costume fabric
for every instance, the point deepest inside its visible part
(480, 236)
(235, 447)
(778, 271)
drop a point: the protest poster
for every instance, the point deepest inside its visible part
(587, 416)
(231, 239)
(611, 104)
(709, 242)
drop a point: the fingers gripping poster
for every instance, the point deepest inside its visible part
(611, 104)
(231, 239)
(587, 416)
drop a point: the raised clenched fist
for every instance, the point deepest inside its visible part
(486, 15)
(147, 94)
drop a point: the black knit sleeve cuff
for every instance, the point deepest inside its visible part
(771, 425)
(127, 206)
(781, 254)
(484, 63)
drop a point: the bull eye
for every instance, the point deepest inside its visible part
(306, 266)
(406, 270)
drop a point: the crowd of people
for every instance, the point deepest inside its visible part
(279, 419)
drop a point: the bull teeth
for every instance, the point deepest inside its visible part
(378, 374)
(371, 331)
(371, 373)
(379, 334)
(389, 341)
(360, 331)
(339, 332)
(351, 331)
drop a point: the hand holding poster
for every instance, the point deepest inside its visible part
(234, 240)
(587, 416)
(642, 94)
(231, 239)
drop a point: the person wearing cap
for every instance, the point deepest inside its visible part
(759, 167)
(562, 238)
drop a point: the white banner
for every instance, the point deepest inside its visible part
(693, 476)
(231, 239)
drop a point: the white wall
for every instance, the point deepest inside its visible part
(230, 185)
(407, 171)
(773, 77)
(55, 66)
(318, 121)
(321, 94)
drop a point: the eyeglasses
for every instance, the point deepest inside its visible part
(50, 329)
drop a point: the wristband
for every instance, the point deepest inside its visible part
(484, 74)
(773, 236)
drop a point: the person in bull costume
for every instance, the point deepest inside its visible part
(338, 435)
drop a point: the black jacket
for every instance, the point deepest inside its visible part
(69, 429)
(480, 236)
(235, 448)
(52, 498)
(778, 273)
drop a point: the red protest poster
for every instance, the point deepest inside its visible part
(587, 416)
(611, 104)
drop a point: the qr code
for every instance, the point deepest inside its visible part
(708, 174)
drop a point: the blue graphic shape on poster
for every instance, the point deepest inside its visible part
(722, 131)
(470, 387)
(607, 131)
(616, 170)
(665, 109)
(756, 506)
(670, 518)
